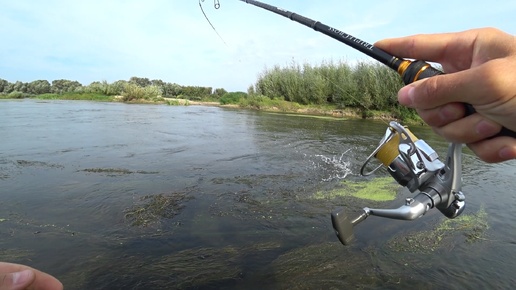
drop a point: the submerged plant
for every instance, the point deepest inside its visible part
(378, 189)
(156, 207)
(116, 171)
(472, 227)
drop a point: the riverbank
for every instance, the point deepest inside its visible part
(257, 103)
(280, 106)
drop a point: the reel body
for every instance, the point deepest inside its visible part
(415, 165)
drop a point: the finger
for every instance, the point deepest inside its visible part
(40, 281)
(44, 281)
(442, 115)
(483, 87)
(473, 86)
(431, 47)
(436, 91)
(17, 280)
(470, 129)
(494, 150)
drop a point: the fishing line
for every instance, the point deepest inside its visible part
(216, 4)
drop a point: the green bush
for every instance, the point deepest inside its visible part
(261, 102)
(219, 93)
(105, 88)
(232, 98)
(195, 93)
(134, 92)
(75, 96)
(18, 95)
(366, 86)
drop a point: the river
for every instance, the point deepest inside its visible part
(118, 196)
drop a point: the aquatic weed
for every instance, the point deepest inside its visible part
(472, 227)
(378, 189)
(156, 207)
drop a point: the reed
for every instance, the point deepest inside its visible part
(365, 86)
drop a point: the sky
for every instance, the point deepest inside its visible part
(100, 40)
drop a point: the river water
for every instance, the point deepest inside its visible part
(117, 196)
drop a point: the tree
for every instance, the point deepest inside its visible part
(133, 91)
(16, 87)
(117, 87)
(64, 86)
(142, 82)
(39, 87)
(171, 90)
(196, 92)
(105, 88)
(220, 92)
(251, 91)
(3, 85)
(158, 83)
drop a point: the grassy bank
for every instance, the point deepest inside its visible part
(244, 101)
(264, 103)
(77, 96)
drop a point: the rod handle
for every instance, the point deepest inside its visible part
(418, 70)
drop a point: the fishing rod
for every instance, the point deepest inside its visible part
(409, 160)
(410, 71)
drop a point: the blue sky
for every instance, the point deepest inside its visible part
(171, 40)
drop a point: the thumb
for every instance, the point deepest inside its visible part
(17, 280)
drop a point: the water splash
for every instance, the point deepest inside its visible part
(334, 167)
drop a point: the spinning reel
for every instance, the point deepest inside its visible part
(415, 165)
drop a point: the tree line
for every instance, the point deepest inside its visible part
(134, 88)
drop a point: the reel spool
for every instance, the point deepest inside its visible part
(409, 160)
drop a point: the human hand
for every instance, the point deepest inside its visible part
(480, 67)
(18, 277)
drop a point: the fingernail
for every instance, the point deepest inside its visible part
(22, 277)
(507, 153)
(487, 129)
(406, 96)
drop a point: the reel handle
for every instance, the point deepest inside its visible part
(343, 225)
(412, 71)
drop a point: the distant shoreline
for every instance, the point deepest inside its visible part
(312, 110)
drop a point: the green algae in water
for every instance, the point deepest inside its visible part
(378, 189)
(117, 171)
(195, 268)
(27, 163)
(471, 227)
(155, 208)
(333, 266)
(15, 255)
